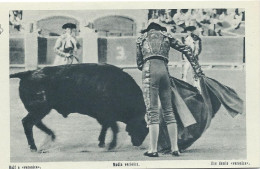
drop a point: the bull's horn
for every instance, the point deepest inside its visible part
(20, 75)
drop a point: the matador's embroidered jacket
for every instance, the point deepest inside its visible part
(158, 43)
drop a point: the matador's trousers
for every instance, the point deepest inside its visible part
(156, 83)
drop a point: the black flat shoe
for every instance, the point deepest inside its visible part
(155, 154)
(176, 153)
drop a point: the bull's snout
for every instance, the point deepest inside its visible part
(137, 131)
(136, 142)
(138, 138)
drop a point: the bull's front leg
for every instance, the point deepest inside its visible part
(102, 135)
(114, 128)
(28, 123)
(45, 129)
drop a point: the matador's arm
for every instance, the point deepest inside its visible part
(139, 55)
(57, 46)
(187, 51)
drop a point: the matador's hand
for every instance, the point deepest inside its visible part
(67, 55)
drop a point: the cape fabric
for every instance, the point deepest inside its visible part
(202, 107)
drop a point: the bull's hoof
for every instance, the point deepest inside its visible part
(112, 146)
(53, 137)
(33, 148)
(43, 151)
(101, 145)
(181, 150)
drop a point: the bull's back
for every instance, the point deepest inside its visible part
(101, 91)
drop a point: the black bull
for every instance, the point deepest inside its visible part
(103, 92)
(108, 94)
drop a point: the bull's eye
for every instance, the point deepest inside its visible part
(41, 92)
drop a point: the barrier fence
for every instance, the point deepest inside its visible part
(121, 51)
(215, 51)
(16, 51)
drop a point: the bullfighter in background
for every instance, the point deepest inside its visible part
(194, 41)
(66, 46)
(152, 57)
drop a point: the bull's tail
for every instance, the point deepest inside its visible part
(20, 75)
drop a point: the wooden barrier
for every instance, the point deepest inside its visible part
(121, 51)
(16, 51)
(218, 51)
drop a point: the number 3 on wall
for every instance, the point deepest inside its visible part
(120, 53)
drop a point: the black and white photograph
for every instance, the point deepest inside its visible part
(127, 86)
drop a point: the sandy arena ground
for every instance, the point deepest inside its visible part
(77, 135)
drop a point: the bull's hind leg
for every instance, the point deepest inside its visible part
(45, 129)
(102, 135)
(114, 128)
(28, 122)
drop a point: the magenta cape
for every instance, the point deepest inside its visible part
(190, 105)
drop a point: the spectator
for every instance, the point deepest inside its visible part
(162, 15)
(222, 15)
(192, 18)
(181, 18)
(237, 19)
(169, 15)
(152, 14)
(208, 22)
(15, 19)
(242, 12)
(205, 17)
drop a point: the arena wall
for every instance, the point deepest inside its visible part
(121, 51)
(16, 50)
(215, 50)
